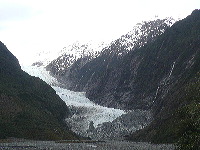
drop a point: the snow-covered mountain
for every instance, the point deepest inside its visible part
(141, 34)
(88, 118)
(144, 32)
(60, 59)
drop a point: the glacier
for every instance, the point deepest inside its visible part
(83, 110)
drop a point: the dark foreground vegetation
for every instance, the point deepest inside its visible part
(29, 108)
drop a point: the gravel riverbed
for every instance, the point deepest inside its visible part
(107, 145)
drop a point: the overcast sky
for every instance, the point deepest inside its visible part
(29, 26)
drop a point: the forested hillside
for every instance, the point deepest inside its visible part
(29, 108)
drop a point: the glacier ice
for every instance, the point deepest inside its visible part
(84, 110)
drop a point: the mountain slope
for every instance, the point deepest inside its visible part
(139, 79)
(71, 54)
(29, 108)
(176, 107)
(176, 123)
(100, 77)
(141, 34)
(154, 76)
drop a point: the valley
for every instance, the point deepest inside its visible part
(85, 112)
(141, 91)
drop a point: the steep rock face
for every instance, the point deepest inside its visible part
(178, 120)
(176, 101)
(102, 77)
(29, 108)
(141, 34)
(70, 55)
(139, 79)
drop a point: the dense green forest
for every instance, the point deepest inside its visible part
(29, 108)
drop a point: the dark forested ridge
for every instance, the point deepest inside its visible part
(161, 75)
(29, 108)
